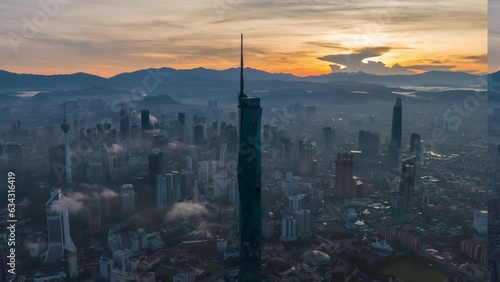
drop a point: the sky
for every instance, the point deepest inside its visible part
(302, 37)
(493, 36)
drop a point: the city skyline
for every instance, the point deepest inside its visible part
(289, 37)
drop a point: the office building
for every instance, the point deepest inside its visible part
(127, 194)
(155, 166)
(328, 139)
(344, 173)
(249, 183)
(368, 143)
(58, 227)
(124, 121)
(145, 121)
(288, 229)
(407, 185)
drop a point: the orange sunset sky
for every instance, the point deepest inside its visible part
(292, 36)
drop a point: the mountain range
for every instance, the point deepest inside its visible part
(168, 76)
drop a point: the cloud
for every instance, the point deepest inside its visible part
(108, 193)
(185, 210)
(74, 202)
(114, 148)
(430, 67)
(353, 62)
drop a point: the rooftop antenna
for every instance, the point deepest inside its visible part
(242, 81)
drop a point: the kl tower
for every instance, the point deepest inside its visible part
(65, 126)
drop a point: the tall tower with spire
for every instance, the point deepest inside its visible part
(65, 126)
(249, 182)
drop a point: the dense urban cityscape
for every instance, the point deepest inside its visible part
(247, 141)
(254, 189)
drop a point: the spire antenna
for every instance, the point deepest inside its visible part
(242, 81)
(64, 105)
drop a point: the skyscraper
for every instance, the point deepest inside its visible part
(368, 143)
(124, 121)
(407, 185)
(181, 123)
(128, 197)
(394, 149)
(145, 122)
(155, 165)
(58, 227)
(249, 182)
(397, 119)
(344, 172)
(327, 139)
(65, 126)
(415, 146)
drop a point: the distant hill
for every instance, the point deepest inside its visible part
(172, 77)
(15, 81)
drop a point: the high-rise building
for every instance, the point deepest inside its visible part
(65, 126)
(11, 157)
(135, 131)
(233, 190)
(249, 182)
(407, 185)
(327, 139)
(95, 173)
(128, 197)
(303, 218)
(294, 203)
(145, 121)
(113, 167)
(181, 123)
(155, 166)
(397, 120)
(288, 229)
(222, 156)
(161, 191)
(58, 227)
(124, 121)
(344, 173)
(368, 143)
(394, 148)
(480, 221)
(415, 146)
(199, 134)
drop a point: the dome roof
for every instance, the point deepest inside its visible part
(315, 258)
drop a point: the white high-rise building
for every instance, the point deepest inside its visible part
(222, 157)
(294, 203)
(95, 173)
(233, 190)
(58, 227)
(303, 218)
(128, 197)
(220, 186)
(189, 163)
(73, 265)
(176, 188)
(113, 167)
(161, 192)
(288, 229)
(105, 266)
(480, 221)
(203, 171)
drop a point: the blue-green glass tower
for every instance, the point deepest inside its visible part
(249, 181)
